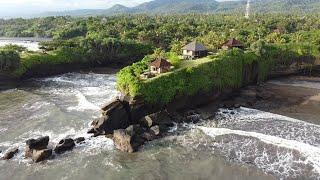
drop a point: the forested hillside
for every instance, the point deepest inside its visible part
(202, 6)
(123, 39)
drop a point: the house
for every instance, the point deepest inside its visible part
(232, 43)
(160, 65)
(278, 31)
(194, 50)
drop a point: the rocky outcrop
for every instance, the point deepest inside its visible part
(116, 115)
(40, 143)
(79, 140)
(37, 149)
(10, 154)
(119, 116)
(41, 155)
(130, 139)
(64, 146)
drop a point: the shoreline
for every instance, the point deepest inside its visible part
(32, 39)
(9, 82)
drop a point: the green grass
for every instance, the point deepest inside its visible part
(194, 63)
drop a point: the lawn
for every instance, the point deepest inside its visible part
(193, 63)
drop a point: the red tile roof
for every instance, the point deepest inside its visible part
(233, 43)
(160, 63)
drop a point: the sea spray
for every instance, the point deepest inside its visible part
(272, 154)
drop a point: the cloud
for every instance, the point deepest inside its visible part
(26, 6)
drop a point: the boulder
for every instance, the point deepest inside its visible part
(135, 130)
(64, 145)
(79, 140)
(149, 136)
(41, 155)
(161, 118)
(192, 116)
(10, 154)
(123, 141)
(116, 115)
(130, 139)
(39, 144)
(36, 144)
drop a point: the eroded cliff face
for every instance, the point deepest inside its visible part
(141, 117)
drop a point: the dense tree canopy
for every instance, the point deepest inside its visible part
(98, 40)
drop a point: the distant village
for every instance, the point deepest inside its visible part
(191, 51)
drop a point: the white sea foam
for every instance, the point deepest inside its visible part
(32, 46)
(3, 130)
(91, 145)
(310, 153)
(250, 115)
(83, 104)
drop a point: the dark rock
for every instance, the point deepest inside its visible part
(79, 140)
(135, 130)
(111, 105)
(177, 117)
(10, 154)
(116, 116)
(110, 136)
(39, 144)
(149, 136)
(192, 116)
(159, 118)
(237, 106)
(264, 95)
(229, 104)
(64, 145)
(91, 131)
(41, 155)
(251, 93)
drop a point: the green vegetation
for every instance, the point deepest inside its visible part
(226, 69)
(9, 59)
(83, 52)
(99, 41)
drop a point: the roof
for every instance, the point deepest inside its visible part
(194, 46)
(160, 62)
(233, 43)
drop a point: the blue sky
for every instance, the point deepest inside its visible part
(14, 7)
(20, 7)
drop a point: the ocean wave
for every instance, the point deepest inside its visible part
(246, 119)
(282, 157)
(83, 104)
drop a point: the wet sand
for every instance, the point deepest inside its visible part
(300, 100)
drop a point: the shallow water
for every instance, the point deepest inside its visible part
(30, 45)
(248, 143)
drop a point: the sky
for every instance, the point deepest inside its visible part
(14, 7)
(24, 7)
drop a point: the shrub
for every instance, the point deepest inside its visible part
(224, 70)
(9, 60)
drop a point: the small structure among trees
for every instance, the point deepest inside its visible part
(194, 50)
(232, 43)
(160, 65)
